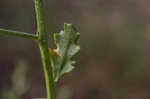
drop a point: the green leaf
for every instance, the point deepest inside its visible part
(67, 48)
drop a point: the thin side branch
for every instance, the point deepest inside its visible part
(18, 34)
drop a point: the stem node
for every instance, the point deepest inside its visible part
(43, 44)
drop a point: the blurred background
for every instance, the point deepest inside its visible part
(115, 52)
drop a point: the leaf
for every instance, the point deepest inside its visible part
(67, 48)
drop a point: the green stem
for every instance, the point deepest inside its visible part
(19, 34)
(43, 44)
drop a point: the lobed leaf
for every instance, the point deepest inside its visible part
(66, 50)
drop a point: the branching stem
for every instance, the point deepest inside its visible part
(43, 44)
(42, 37)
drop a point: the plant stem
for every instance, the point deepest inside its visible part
(19, 34)
(43, 44)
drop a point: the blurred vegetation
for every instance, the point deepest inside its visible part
(19, 82)
(114, 60)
